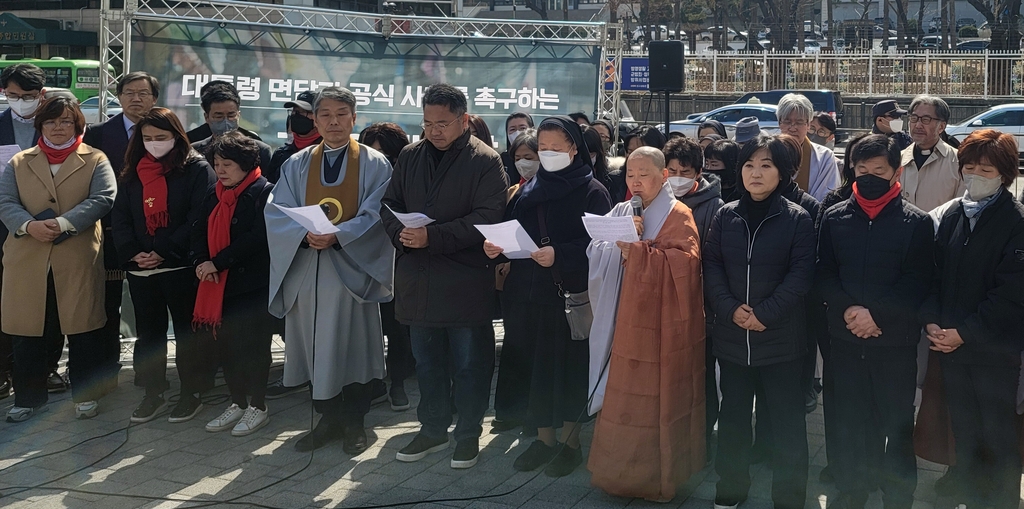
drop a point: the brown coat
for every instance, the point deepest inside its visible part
(649, 437)
(76, 263)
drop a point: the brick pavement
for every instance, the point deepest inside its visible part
(184, 462)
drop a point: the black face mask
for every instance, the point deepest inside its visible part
(872, 187)
(301, 124)
(728, 178)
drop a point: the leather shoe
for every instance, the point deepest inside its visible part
(321, 435)
(5, 386)
(355, 440)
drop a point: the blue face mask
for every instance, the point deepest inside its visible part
(219, 127)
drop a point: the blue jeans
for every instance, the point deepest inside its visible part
(470, 353)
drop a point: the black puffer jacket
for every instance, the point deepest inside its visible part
(798, 196)
(978, 279)
(768, 266)
(705, 202)
(883, 264)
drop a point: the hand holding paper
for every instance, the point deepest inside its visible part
(611, 229)
(311, 217)
(412, 220)
(510, 237)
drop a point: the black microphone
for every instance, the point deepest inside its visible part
(638, 206)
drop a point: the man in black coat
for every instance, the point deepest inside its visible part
(888, 120)
(203, 131)
(23, 86)
(874, 270)
(300, 124)
(221, 111)
(444, 283)
(137, 92)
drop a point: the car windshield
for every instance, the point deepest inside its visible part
(979, 116)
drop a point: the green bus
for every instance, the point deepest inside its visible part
(81, 77)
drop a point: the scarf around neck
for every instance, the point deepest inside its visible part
(874, 207)
(152, 174)
(56, 154)
(302, 141)
(209, 306)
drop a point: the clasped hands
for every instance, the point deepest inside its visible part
(149, 260)
(860, 323)
(321, 242)
(943, 340)
(44, 231)
(545, 256)
(744, 317)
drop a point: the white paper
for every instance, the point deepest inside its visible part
(311, 218)
(588, 214)
(6, 153)
(611, 229)
(412, 219)
(511, 237)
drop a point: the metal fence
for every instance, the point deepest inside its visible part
(957, 74)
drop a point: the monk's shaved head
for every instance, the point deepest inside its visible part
(655, 156)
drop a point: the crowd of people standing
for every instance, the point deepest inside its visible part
(901, 264)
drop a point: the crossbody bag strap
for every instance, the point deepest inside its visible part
(546, 241)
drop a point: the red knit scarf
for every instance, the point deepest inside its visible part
(302, 141)
(154, 192)
(210, 297)
(874, 207)
(57, 156)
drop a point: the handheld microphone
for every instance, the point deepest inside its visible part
(638, 206)
(326, 208)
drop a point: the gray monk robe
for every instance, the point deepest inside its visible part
(341, 296)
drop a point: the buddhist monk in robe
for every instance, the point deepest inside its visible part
(647, 344)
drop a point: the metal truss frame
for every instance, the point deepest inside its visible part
(116, 29)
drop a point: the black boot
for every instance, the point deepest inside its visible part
(323, 434)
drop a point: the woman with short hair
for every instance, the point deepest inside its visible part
(232, 263)
(52, 197)
(758, 267)
(163, 190)
(973, 319)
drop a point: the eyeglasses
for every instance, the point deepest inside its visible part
(437, 126)
(142, 94)
(221, 116)
(23, 97)
(64, 124)
(824, 133)
(926, 120)
(790, 123)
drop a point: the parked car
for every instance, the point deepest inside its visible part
(830, 101)
(965, 22)
(728, 116)
(707, 35)
(811, 46)
(91, 108)
(930, 42)
(975, 46)
(1008, 118)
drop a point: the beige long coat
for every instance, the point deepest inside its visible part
(82, 191)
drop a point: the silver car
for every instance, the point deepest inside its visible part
(1007, 118)
(728, 116)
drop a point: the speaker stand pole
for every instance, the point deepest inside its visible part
(668, 114)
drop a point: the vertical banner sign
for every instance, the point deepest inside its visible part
(270, 66)
(633, 76)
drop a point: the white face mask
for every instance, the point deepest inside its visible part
(896, 125)
(979, 188)
(513, 135)
(554, 161)
(680, 185)
(158, 149)
(24, 108)
(527, 168)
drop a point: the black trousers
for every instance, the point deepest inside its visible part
(153, 296)
(784, 397)
(110, 334)
(515, 366)
(399, 361)
(347, 409)
(874, 397)
(88, 364)
(243, 347)
(982, 408)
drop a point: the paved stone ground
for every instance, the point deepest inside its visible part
(184, 462)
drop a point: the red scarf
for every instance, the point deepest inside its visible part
(154, 192)
(210, 297)
(302, 141)
(874, 207)
(57, 156)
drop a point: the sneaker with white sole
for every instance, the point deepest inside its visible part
(226, 420)
(22, 414)
(420, 447)
(253, 420)
(86, 409)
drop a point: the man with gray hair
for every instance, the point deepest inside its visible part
(327, 286)
(818, 172)
(931, 170)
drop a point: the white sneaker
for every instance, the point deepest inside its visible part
(226, 420)
(21, 414)
(253, 420)
(86, 409)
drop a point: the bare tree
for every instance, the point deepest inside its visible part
(538, 6)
